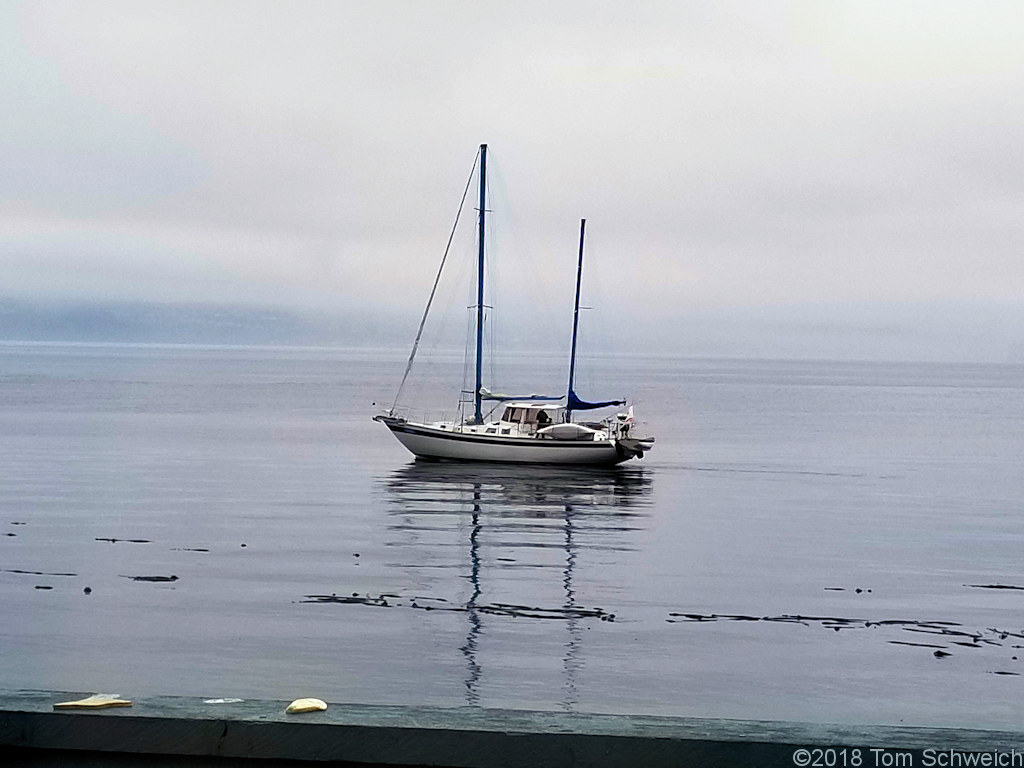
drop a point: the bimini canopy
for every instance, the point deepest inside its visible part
(575, 404)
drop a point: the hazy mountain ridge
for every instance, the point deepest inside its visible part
(970, 332)
(140, 322)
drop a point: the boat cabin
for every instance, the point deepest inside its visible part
(529, 417)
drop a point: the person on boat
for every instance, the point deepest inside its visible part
(543, 420)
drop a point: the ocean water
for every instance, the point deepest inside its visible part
(803, 539)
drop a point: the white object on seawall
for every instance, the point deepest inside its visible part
(306, 705)
(96, 701)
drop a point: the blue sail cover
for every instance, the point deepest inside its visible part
(575, 404)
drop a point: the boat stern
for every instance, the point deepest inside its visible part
(634, 447)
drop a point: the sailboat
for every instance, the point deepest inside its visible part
(533, 429)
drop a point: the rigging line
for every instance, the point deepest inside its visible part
(467, 356)
(437, 279)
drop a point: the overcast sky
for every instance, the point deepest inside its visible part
(816, 169)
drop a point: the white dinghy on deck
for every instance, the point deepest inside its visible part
(530, 430)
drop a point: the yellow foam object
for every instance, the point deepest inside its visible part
(306, 705)
(96, 701)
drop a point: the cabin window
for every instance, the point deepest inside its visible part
(491, 430)
(505, 431)
(508, 414)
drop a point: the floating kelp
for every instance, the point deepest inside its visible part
(916, 645)
(784, 618)
(440, 604)
(37, 573)
(534, 612)
(994, 586)
(127, 541)
(348, 600)
(172, 577)
(944, 633)
(1003, 633)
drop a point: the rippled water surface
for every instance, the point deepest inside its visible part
(801, 543)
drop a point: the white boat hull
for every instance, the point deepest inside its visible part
(428, 442)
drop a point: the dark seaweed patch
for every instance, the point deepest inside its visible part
(916, 645)
(944, 633)
(128, 541)
(440, 604)
(994, 586)
(1005, 633)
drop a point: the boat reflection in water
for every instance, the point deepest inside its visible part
(519, 535)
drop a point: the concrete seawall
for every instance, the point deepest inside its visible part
(188, 732)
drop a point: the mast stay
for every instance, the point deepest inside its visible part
(433, 291)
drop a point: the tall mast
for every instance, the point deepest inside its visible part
(477, 416)
(575, 326)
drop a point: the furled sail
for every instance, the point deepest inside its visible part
(575, 404)
(486, 394)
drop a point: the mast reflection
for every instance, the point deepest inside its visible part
(517, 518)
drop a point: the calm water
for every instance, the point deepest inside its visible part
(314, 558)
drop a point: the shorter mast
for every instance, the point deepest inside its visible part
(575, 326)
